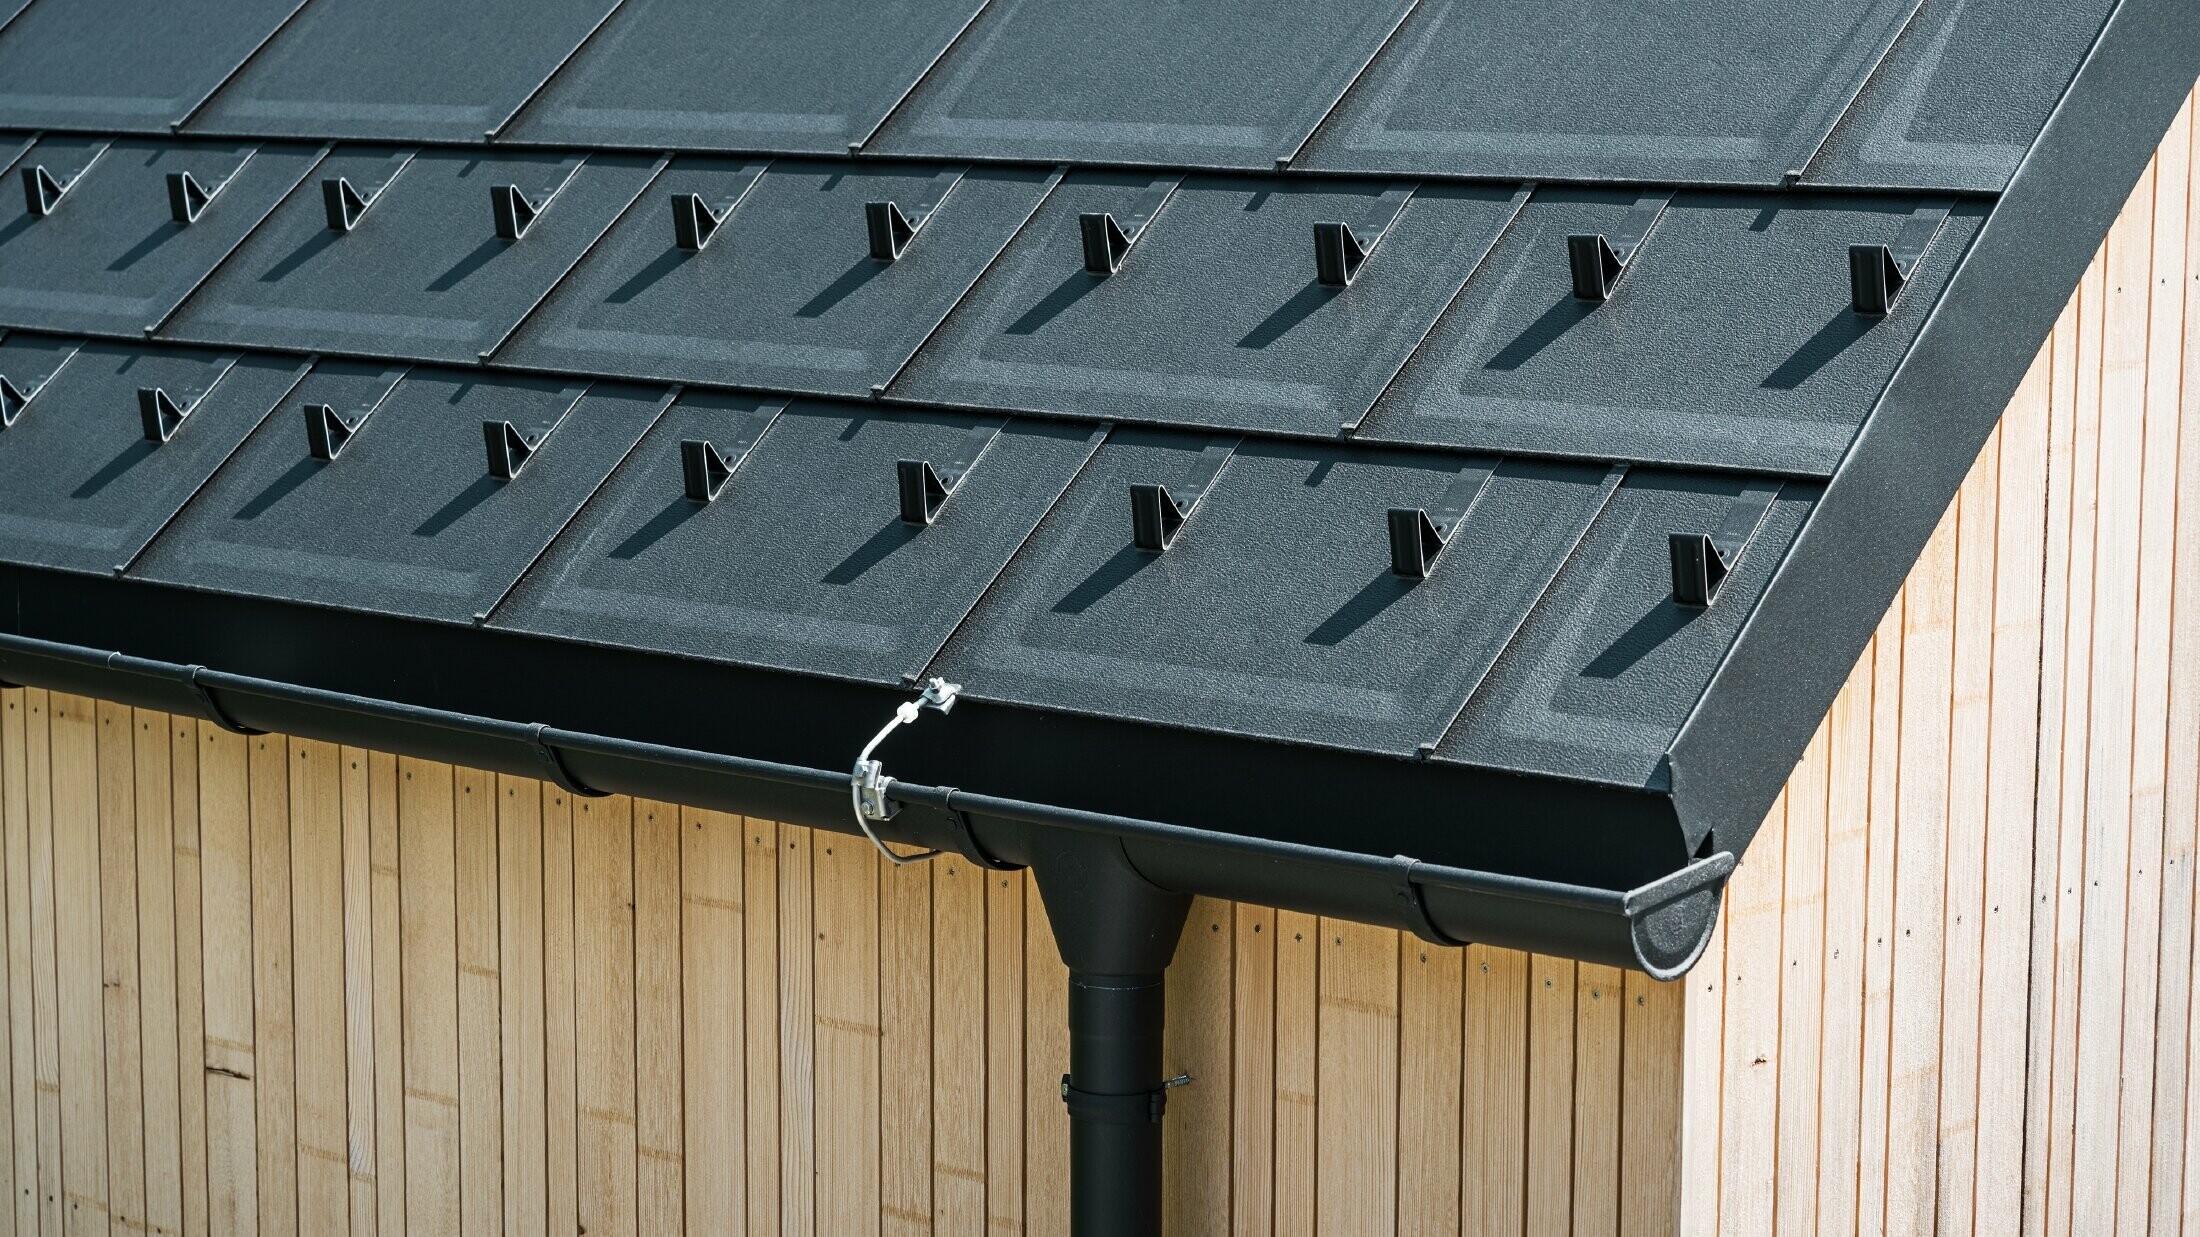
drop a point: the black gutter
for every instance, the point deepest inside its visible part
(1659, 927)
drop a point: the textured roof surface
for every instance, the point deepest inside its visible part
(1557, 444)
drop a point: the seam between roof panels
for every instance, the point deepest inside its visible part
(306, 366)
(879, 388)
(557, 281)
(158, 324)
(1796, 174)
(1106, 431)
(1521, 197)
(1404, 16)
(1615, 477)
(617, 7)
(226, 78)
(16, 16)
(908, 92)
(665, 401)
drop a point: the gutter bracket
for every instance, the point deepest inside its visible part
(1136, 1108)
(214, 712)
(1412, 910)
(966, 842)
(554, 768)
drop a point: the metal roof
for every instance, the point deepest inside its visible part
(1476, 433)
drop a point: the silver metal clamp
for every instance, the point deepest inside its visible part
(868, 782)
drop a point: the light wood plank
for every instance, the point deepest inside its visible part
(797, 1039)
(1847, 861)
(560, 1030)
(1253, 1075)
(1046, 1056)
(225, 857)
(45, 960)
(1964, 883)
(118, 952)
(1357, 1116)
(1702, 1069)
(522, 890)
(2054, 899)
(1493, 1147)
(1749, 1083)
(1599, 1005)
(1431, 1030)
(356, 858)
(711, 990)
(1550, 1032)
(905, 1047)
(845, 884)
(1298, 1072)
(22, 1050)
(1195, 1175)
(427, 861)
(603, 919)
(1004, 1055)
(958, 1026)
(157, 944)
(273, 1035)
(2011, 812)
(760, 976)
(2150, 1162)
(1650, 1106)
(386, 870)
(317, 887)
(1879, 919)
(84, 1148)
(660, 1121)
(480, 1006)
(2181, 795)
(191, 1055)
(1802, 946)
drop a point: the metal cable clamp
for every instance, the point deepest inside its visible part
(867, 784)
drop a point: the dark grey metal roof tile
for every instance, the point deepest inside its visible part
(780, 76)
(422, 275)
(1729, 342)
(81, 486)
(1599, 680)
(1217, 317)
(1585, 90)
(407, 519)
(1274, 612)
(124, 65)
(1140, 81)
(1961, 97)
(112, 258)
(786, 293)
(802, 560)
(403, 70)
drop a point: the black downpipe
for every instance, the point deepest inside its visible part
(1117, 933)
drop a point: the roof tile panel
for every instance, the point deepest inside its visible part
(1730, 341)
(1140, 81)
(802, 561)
(1274, 611)
(407, 519)
(786, 293)
(782, 76)
(112, 258)
(1217, 317)
(402, 70)
(1583, 90)
(127, 65)
(422, 275)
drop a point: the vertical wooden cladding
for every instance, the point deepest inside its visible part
(1954, 990)
(259, 985)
